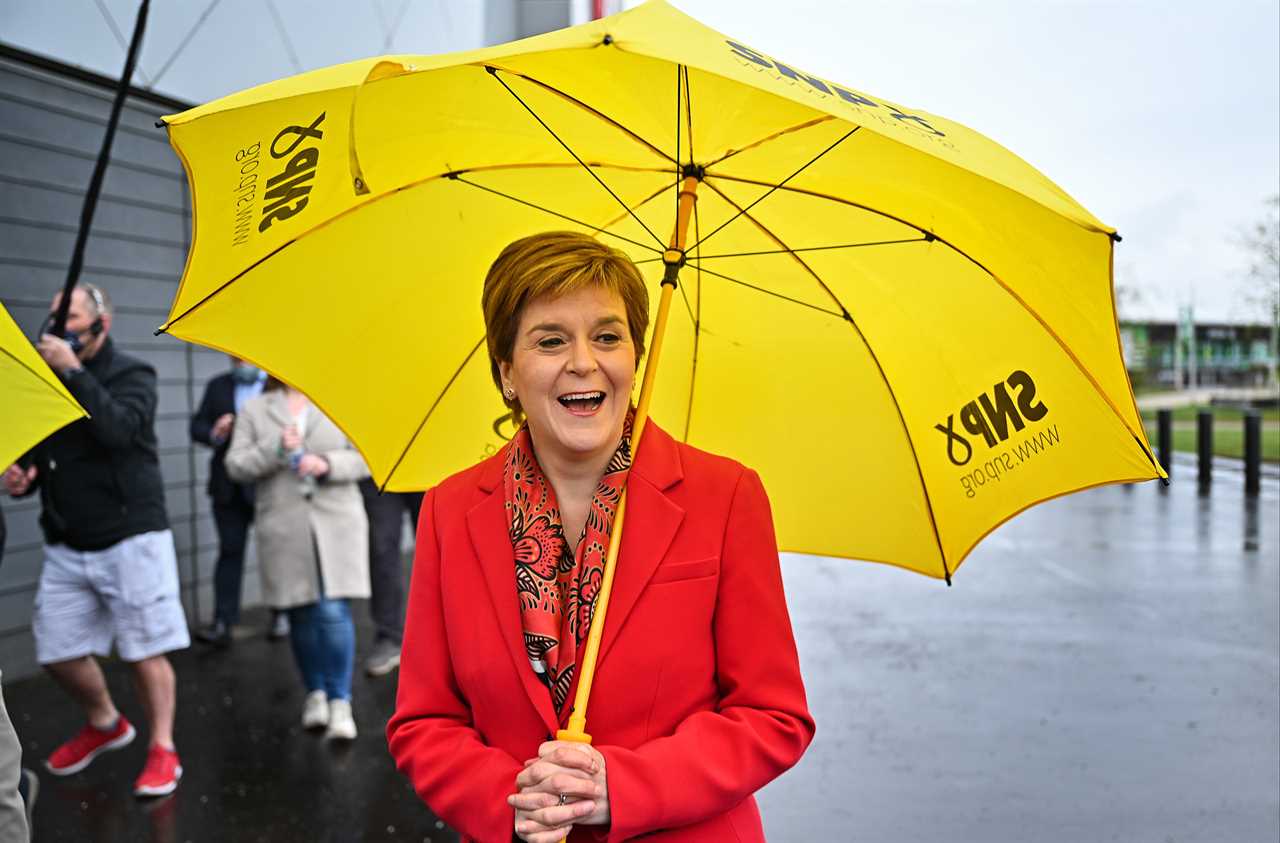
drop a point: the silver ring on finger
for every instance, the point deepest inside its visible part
(563, 799)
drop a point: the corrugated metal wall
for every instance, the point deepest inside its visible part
(52, 120)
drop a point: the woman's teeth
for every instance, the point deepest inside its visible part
(582, 401)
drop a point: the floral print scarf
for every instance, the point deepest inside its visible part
(557, 587)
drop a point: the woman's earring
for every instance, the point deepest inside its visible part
(509, 392)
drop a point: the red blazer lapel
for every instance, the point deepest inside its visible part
(651, 524)
(488, 525)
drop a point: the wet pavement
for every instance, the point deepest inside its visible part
(251, 773)
(1107, 667)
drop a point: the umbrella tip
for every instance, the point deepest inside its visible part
(608, 39)
(1115, 237)
(490, 69)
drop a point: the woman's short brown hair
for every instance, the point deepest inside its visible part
(555, 263)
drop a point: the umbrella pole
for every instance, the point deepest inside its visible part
(59, 326)
(674, 259)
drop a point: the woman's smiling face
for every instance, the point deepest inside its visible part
(572, 368)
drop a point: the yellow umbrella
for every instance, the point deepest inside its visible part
(906, 329)
(35, 401)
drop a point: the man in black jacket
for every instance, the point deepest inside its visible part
(232, 502)
(110, 571)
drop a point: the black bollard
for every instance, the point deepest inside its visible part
(1204, 447)
(1252, 452)
(1164, 440)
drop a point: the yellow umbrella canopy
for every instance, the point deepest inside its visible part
(906, 329)
(35, 401)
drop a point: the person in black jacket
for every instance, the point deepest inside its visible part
(232, 502)
(110, 572)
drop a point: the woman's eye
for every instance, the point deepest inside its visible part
(550, 342)
(609, 338)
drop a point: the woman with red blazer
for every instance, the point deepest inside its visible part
(697, 701)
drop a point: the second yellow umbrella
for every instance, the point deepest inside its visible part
(35, 401)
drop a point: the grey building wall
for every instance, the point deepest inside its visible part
(507, 20)
(52, 119)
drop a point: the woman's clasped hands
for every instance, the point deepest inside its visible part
(564, 786)
(308, 464)
(312, 465)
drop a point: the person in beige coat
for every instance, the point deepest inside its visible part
(313, 547)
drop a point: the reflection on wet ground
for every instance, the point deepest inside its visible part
(1106, 667)
(250, 772)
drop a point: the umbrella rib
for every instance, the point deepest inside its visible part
(779, 185)
(620, 217)
(848, 317)
(768, 292)
(680, 287)
(493, 71)
(682, 71)
(806, 192)
(164, 329)
(455, 177)
(679, 169)
(826, 118)
(927, 238)
(687, 308)
(535, 165)
(572, 100)
(697, 328)
(430, 411)
(688, 110)
(930, 235)
(786, 250)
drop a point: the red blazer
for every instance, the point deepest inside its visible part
(697, 701)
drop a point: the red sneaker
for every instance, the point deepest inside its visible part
(160, 774)
(74, 755)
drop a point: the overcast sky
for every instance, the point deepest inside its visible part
(1162, 118)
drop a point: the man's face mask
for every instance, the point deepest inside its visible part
(244, 373)
(72, 338)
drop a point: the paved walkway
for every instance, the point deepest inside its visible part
(252, 775)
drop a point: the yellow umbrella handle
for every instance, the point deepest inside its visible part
(674, 258)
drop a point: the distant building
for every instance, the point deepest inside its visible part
(1170, 355)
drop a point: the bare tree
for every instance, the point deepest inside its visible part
(1262, 240)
